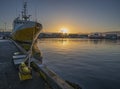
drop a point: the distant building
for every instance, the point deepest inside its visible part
(95, 36)
(4, 34)
(73, 35)
(111, 36)
(61, 35)
(52, 35)
(78, 35)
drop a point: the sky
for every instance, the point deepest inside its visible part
(78, 16)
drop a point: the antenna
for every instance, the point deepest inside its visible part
(16, 9)
(5, 26)
(24, 12)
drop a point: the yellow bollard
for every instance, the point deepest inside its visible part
(24, 72)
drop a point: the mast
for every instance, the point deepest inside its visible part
(24, 12)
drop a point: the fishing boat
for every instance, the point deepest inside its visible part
(24, 30)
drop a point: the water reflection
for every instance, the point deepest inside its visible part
(84, 60)
(96, 41)
(63, 41)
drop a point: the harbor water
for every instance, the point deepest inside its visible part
(93, 64)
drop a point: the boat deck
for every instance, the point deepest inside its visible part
(9, 78)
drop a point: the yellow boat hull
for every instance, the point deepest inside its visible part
(25, 35)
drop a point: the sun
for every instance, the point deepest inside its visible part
(64, 30)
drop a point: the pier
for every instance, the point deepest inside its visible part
(9, 78)
(43, 77)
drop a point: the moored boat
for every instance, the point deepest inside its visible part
(25, 30)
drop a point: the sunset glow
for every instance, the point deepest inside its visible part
(64, 30)
(79, 16)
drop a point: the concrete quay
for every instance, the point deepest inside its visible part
(9, 78)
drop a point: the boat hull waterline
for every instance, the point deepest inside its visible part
(26, 34)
